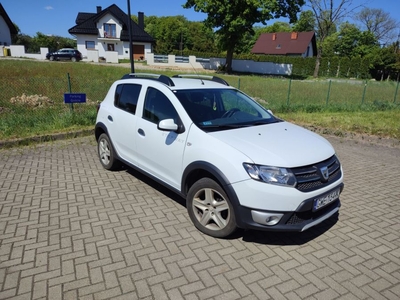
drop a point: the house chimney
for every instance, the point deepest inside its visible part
(274, 36)
(294, 36)
(98, 9)
(141, 19)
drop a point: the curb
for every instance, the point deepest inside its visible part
(45, 138)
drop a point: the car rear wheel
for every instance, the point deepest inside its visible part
(73, 59)
(210, 209)
(106, 153)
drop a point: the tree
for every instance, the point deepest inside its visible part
(33, 44)
(353, 42)
(379, 23)
(327, 14)
(306, 22)
(233, 19)
(176, 33)
(386, 61)
(198, 38)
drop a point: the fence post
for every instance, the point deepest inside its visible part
(71, 105)
(288, 95)
(329, 92)
(365, 89)
(397, 89)
(239, 83)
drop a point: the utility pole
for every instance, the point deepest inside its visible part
(130, 37)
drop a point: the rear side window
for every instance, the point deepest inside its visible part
(126, 97)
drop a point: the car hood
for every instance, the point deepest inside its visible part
(279, 144)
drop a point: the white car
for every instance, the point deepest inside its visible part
(235, 163)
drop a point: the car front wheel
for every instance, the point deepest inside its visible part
(209, 208)
(73, 59)
(52, 58)
(106, 153)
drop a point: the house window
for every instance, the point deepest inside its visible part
(110, 30)
(278, 46)
(110, 47)
(90, 45)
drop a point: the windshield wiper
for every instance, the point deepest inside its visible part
(265, 122)
(222, 126)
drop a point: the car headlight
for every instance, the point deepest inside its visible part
(272, 175)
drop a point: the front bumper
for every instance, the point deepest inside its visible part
(299, 220)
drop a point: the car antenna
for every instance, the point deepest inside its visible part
(202, 82)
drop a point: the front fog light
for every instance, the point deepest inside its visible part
(265, 218)
(272, 220)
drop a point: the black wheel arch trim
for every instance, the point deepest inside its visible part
(101, 128)
(203, 166)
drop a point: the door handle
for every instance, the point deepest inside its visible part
(141, 132)
(110, 118)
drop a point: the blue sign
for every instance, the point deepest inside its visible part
(74, 98)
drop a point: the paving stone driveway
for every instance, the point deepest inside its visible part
(71, 230)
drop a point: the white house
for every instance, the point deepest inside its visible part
(107, 32)
(7, 28)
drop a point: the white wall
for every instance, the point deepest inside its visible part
(81, 43)
(112, 57)
(19, 51)
(267, 68)
(92, 55)
(122, 48)
(244, 66)
(5, 36)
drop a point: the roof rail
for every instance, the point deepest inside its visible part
(207, 77)
(162, 78)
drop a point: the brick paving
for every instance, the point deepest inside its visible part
(71, 230)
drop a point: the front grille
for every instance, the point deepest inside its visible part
(310, 178)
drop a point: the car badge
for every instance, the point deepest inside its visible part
(325, 173)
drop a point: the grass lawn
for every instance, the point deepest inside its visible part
(31, 99)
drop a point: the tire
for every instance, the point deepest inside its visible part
(73, 59)
(51, 58)
(106, 153)
(210, 209)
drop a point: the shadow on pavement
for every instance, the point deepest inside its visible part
(253, 236)
(289, 238)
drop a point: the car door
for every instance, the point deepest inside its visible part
(160, 153)
(123, 120)
(62, 54)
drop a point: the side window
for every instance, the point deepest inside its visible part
(157, 107)
(126, 97)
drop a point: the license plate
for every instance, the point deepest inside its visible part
(326, 199)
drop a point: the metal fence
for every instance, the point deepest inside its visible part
(33, 101)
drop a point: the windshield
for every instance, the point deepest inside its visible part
(216, 109)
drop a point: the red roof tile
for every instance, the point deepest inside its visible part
(284, 43)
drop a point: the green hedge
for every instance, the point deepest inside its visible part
(329, 67)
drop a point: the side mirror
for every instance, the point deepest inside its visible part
(167, 125)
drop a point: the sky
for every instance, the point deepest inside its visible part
(55, 17)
